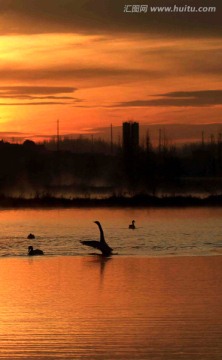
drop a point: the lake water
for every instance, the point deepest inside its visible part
(140, 308)
(159, 299)
(159, 232)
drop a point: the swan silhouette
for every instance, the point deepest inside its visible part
(132, 226)
(32, 252)
(100, 245)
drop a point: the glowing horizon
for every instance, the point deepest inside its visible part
(78, 67)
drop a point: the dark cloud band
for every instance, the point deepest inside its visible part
(37, 95)
(34, 90)
(107, 16)
(180, 99)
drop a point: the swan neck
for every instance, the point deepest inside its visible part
(102, 239)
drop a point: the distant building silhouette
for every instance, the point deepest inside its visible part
(130, 136)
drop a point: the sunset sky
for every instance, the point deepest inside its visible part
(90, 64)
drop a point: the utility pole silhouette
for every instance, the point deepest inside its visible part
(160, 140)
(148, 143)
(203, 138)
(58, 137)
(111, 139)
(92, 143)
(58, 161)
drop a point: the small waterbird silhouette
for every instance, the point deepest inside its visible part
(132, 226)
(32, 252)
(101, 245)
(31, 236)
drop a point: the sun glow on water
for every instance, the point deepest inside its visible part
(91, 308)
(159, 232)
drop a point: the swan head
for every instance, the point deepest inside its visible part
(30, 248)
(97, 222)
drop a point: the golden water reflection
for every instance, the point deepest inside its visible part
(159, 232)
(120, 308)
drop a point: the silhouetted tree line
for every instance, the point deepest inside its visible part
(33, 170)
(80, 145)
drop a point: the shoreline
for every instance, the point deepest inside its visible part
(141, 200)
(102, 259)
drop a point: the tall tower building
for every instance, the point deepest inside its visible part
(130, 136)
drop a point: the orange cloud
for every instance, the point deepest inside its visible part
(90, 64)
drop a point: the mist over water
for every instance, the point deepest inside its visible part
(95, 169)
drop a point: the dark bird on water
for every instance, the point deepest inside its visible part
(32, 252)
(100, 245)
(31, 236)
(132, 226)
